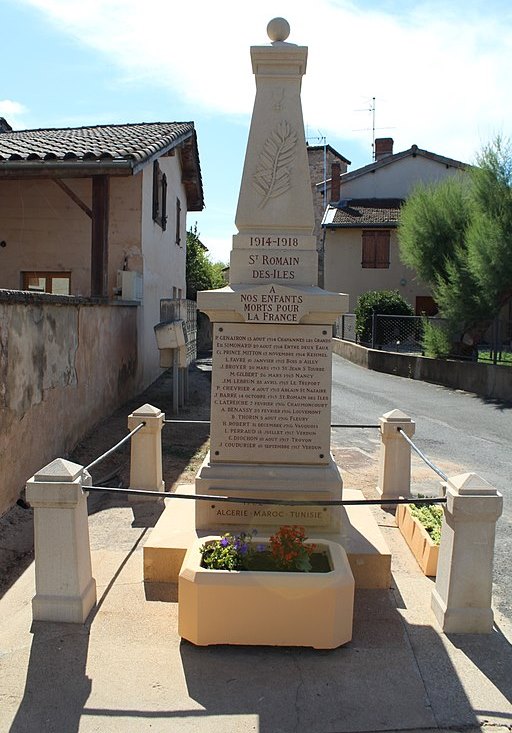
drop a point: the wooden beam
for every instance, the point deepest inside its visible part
(72, 195)
(99, 243)
(24, 173)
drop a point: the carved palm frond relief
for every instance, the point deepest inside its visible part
(272, 177)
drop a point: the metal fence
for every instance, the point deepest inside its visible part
(404, 334)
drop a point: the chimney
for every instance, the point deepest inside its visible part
(4, 125)
(383, 147)
(335, 182)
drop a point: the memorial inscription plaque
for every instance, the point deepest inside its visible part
(271, 394)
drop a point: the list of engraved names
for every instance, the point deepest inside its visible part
(271, 393)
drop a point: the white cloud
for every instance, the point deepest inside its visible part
(440, 75)
(12, 111)
(218, 248)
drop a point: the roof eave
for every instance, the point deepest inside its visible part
(64, 168)
(191, 173)
(412, 152)
(362, 225)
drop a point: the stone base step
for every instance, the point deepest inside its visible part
(174, 533)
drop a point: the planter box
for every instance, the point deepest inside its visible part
(266, 608)
(418, 539)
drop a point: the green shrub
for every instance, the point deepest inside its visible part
(435, 341)
(431, 517)
(380, 302)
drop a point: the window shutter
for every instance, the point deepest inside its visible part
(368, 250)
(178, 222)
(382, 249)
(156, 202)
(164, 202)
(375, 251)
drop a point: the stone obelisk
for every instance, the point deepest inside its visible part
(272, 326)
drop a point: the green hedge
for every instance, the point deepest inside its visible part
(380, 302)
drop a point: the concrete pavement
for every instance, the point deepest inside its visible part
(127, 670)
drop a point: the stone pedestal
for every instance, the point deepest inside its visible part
(461, 600)
(65, 588)
(395, 456)
(146, 451)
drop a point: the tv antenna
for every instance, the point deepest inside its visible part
(372, 110)
(320, 140)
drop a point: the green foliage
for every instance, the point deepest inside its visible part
(489, 237)
(383, 302)
(201, 273)
(436, 340)
(505, 358)
(431, 517)
(457, 235)
(230, 552)
(432, 224)
(287, 552)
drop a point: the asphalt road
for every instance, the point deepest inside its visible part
(458, 431)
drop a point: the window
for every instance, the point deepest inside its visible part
(58, 283)
(376, 249)
(178, 222)
(159, 196)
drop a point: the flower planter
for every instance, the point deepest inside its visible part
(421, 544)
(266, 608)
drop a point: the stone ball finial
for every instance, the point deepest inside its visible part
(278, 29)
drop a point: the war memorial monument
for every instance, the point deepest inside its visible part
(271, 374)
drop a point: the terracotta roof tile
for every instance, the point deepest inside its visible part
(76, 151)
(367, 212)
(133, 142)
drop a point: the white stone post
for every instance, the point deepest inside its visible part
(146, 450)
(395, 456)
(461, 600)
(65, 588)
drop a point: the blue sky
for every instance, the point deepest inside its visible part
(440, 73)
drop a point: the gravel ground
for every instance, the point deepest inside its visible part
(183, 449)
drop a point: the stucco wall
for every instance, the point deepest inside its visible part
(397, 179)
(64, 365)
(124, 230)
(45, 230)
(164, 260)
(344, 273)
(486, 380)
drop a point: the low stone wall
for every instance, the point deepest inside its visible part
(65, 363)
(486, 380)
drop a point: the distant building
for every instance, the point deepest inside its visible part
(321, 159)
(360, 224)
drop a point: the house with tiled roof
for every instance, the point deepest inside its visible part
(100, 212)
(92, 238)
(360, 245)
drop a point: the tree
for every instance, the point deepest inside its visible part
(202, 274)
(457, 235)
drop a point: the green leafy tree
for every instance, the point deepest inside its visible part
(457, 235)
(201, 274)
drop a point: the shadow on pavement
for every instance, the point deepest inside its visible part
(56, 687)
(372, 683)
